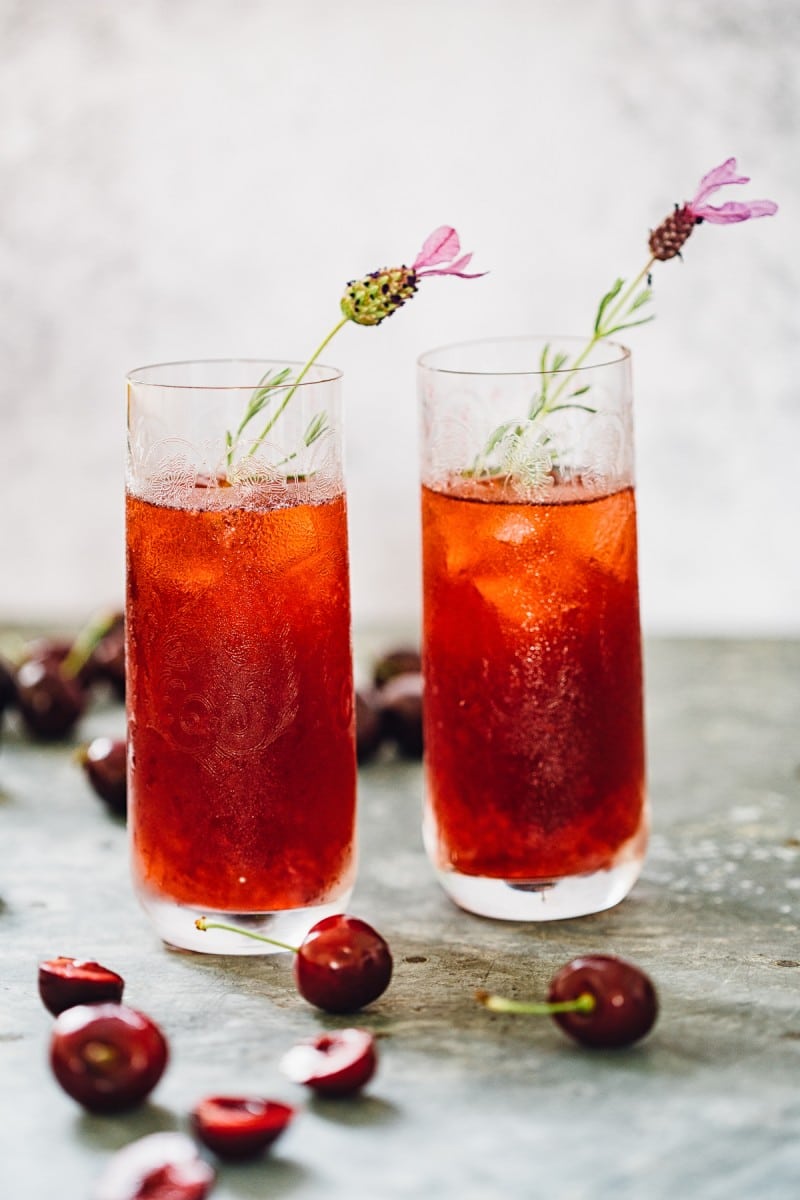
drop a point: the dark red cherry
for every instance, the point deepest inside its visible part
(237, 1127)
(108, 1057)
(342, 964)
(8, 689)
(369, 727)
(65, 982)
(625, 1001)
(401, 713)
(161, 1166)
(49, 702)
(106, 663)
(395, 662)
(104, 761)
(333, 1064)
(47, 649)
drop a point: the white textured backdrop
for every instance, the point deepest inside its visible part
(189, 178)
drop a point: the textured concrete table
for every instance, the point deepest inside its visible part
(465, 1104)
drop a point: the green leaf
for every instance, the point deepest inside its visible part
(629, 325)
(610, 295)
(644, 297)
(496, 437)
(316, 427)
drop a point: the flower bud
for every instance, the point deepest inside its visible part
(369, 300)
(671, 235)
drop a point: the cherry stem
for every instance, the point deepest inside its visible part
(585, 1003)
(202, 924)
(89, 637)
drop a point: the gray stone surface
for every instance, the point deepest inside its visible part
(465, 1104)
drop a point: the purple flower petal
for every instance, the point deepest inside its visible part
(716, 178)
(732, 211)
(450, 271)
(439, 246)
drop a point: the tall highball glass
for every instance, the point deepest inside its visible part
(534, 741)
(242, 774)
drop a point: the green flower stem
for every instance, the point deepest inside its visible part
(202, 924)
(281, 407)
(585, 1003)
(610, 316)
(627, 294)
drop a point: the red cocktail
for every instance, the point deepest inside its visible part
(534, 737)
(240, 698)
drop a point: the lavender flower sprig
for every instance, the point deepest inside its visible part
(525, 455)
(366, 301)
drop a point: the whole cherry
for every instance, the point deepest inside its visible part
(106, 663)
(369, 727)
(8, 689)
(339, 1063)
(238, 1127)
(49, 700)
(598, 999)
(65, 982)
(395, 662)
(400, 701)
(108, 1057)
(104, 761)
(341, 965)
(160, 1166)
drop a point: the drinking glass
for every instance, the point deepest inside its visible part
(535, 804)
(241, 742)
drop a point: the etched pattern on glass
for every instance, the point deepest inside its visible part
(177, 473)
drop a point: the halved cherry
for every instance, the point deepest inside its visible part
(65, 982)
(108, 1057)
(236, 1127)
(333, 1064)
(161, 1166)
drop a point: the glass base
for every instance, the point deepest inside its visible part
(541, 899)
(175, 925)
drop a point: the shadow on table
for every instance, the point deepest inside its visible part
(110, 1133)
(270, 1176)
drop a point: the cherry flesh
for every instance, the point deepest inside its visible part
(401, 713)
(66, 982)
(333, 1064)
(104, 761)
(50, 702)
(342, 964)
(626, 1004)
(237, 1127)
(108, 1057)
(161, 1166)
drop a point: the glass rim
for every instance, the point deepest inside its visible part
(136, 377)
(622, 355)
